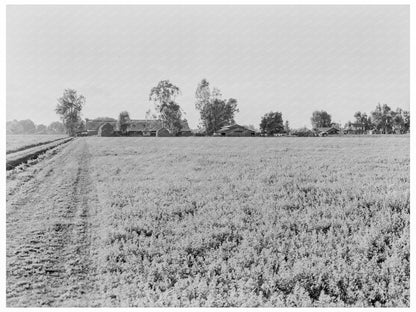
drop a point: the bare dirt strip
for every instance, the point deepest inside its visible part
(49, 233)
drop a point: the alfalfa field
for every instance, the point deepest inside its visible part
(211, 222)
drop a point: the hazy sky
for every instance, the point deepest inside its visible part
(292, 59)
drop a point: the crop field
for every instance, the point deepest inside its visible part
(212, 222)
(21, 141)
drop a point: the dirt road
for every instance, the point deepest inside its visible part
(50, 212)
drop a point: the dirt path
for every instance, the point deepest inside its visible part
(49, 244)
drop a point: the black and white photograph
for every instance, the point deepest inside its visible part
(207, 155)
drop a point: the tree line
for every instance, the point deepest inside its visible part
(27, 126)
(384, 120)
(216, 112)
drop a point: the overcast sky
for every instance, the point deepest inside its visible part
(292, 59)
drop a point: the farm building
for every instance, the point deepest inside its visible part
(325, 131)
(355, 128)
(135, 127)
(92, 125)
(235, 130)
(106, 130)
(142, 127)
(163, 132)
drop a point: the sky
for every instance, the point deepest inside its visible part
(291, 59)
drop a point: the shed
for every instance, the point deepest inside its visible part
(235, 130)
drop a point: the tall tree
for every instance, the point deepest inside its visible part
(123, 121)
(69, 108)
(202, 94)
(382, 118)
(163, 95)
(364, 120)
(272, 123)
(287, 128)
(215, 112)
(321, 119)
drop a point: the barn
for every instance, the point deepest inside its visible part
(92, 125)
(135, 127)
(106, 130)
(235, 130)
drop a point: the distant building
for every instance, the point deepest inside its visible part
(325, 131)
(92, 125)
(235, 130)
(135, 127)
(355, 128)
(106, 129)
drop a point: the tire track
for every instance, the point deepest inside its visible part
(49, 234)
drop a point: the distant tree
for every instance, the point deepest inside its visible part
(320, 119)
(287, 128)
(272, 123)
(164, 93)
(215, 112)
(69, 108)
(150, 115)
(28, 126)
(41, 129)
(56, 127)
(123, 121)
(14, 127)
(406, 121)
(202, 94)
(357, 117)
(171, 116)
(303, 132)
(382, 118)
(401, 120)
(163, 96)
(364, 120)
(81, 126)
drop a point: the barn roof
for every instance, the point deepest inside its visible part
(144, 125)
(106, 125)
(151, 125)
(326, 129)
(96, 123)
(134, 124)
(229, 127)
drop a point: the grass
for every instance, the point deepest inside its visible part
(20, 141)
(252, 221)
